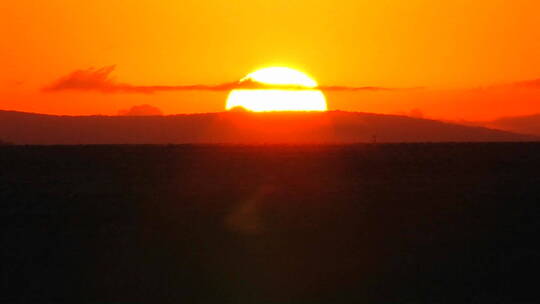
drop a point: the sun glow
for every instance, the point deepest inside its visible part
(301, 98)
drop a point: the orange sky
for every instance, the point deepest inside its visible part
(465, 53)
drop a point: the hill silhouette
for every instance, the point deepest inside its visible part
(529, 124)
(239, 128)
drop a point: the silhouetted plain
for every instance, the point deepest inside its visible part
(399, 223)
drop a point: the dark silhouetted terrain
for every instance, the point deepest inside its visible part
(239, 128)
(521, 124)
(396, 223)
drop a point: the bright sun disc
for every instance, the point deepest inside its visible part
(266, 100)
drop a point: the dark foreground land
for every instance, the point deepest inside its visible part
(403, 223)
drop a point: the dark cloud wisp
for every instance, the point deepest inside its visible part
(532, 84)
(100, 80)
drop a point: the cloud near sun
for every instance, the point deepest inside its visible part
(100, 80)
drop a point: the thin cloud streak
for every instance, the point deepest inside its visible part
(100, 80)
(365, 88)
(533, 84)
(523, 84)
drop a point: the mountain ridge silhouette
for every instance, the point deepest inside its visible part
(332, 127)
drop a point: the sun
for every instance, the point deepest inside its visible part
(303, 97)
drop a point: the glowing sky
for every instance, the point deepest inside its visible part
(466, 54)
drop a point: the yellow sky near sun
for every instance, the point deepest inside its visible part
(437, 44)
